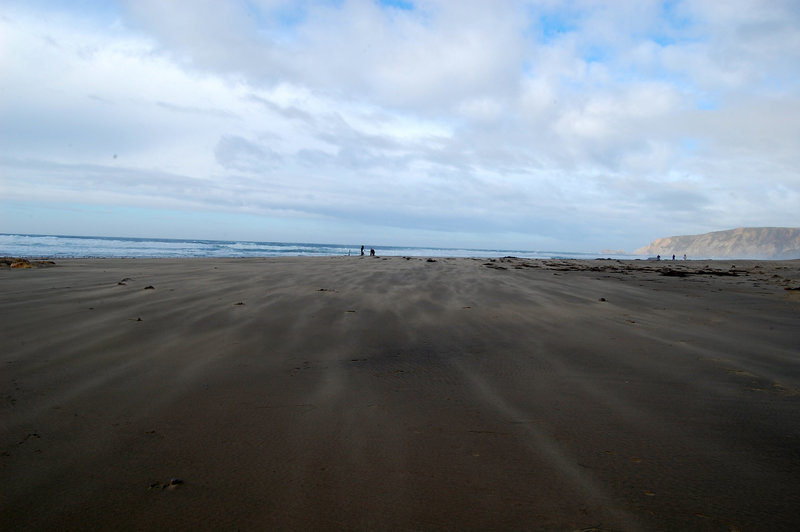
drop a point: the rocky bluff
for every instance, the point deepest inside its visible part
(741, 243)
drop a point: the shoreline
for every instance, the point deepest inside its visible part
(47, 260)
(392, 392)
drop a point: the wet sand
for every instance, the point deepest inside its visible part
(391, 393)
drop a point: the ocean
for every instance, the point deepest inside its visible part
(58, 246)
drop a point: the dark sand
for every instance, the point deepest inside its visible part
(369, 393)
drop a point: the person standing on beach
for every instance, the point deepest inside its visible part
(362, 250)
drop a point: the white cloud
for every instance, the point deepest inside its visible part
(453, 117)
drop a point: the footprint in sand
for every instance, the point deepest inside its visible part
(172, 484)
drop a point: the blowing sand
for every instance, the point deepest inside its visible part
(393, 393)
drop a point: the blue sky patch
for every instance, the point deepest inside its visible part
(553, 25)
(397, 4)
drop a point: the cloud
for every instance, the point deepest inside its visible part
(237, 153)
(541, 118)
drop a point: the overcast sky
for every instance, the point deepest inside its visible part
(535, 125)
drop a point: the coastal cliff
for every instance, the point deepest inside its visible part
(741, 243)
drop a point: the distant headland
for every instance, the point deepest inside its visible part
(740, 243)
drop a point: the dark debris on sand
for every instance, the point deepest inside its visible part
(787, 280)
(15, 262)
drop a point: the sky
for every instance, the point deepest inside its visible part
(519, 124)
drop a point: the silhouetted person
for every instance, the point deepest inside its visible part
(371, 252)
(362, 251)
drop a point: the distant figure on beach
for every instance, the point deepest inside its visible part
(371, 252)
(684, 256)
(658, 257)
(673, 256)
(362, 250)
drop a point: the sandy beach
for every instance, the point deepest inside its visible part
(361, 393)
